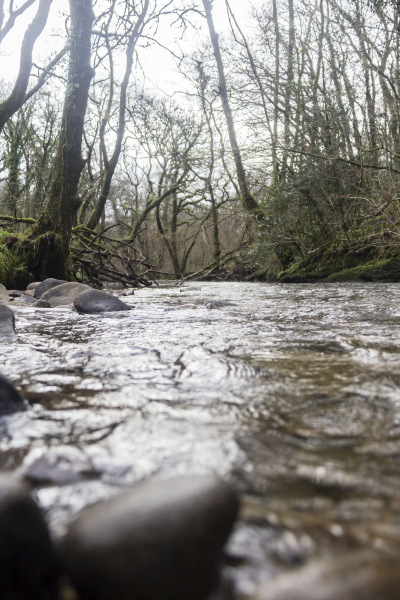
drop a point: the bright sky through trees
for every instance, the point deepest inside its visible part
(157, 63)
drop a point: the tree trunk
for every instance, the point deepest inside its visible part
(247, 198)
(51, 236)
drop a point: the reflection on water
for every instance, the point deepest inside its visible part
(293, 394)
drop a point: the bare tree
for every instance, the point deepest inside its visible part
(18, 94)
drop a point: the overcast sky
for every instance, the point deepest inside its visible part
(158, 65)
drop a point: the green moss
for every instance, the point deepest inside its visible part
(340, 264)
(14, 271)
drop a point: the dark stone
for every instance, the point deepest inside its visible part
(41, 304)
(7, 323)
(161, 540)
(28, 566)
(11, 400)
(95, 301)
(15, 293)
(46, 285)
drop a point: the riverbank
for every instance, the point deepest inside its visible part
(340, 264)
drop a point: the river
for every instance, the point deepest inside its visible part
(292, 393)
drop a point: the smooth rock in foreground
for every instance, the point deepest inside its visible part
(161, 540)
(360, 575)
(46, 285)
(28, 567)
(7, 323)
(95, 301)
(11, 400)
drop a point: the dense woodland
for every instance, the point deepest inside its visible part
(277, 155)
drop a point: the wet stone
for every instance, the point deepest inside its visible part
(11, 400)
(41, 304)
(95, 301)
(45, 285)
(65, 293)
(28, 566)
(23, 300)
(160, 540)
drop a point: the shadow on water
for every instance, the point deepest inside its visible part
(292, 393)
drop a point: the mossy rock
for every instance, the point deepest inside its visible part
(386, 270)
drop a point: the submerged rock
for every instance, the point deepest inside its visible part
(180, 306)
(23, 300)
(360, 575)
(95, 301)
(28, 566)
(44, 286)
(161, 540)
(11, 400)
(57, 465)
(7, 323)
(219, 303)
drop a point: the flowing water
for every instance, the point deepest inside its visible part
(292, 393)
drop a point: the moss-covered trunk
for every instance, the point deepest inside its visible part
(48, 246)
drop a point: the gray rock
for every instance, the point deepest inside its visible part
(7, 324)
(95, 301)
(41, 304)
(33, 285)
(24, 300)
(28, 566)
(60, 301)
(11, 400)
(65, 293)
(4, 296)
(161, 540)
(46, 285)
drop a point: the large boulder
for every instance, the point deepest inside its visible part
(11, 400)
(95, 301)
(46, 285)
(7, 324)
(28, 567)
(161, 540)
(65, 293)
